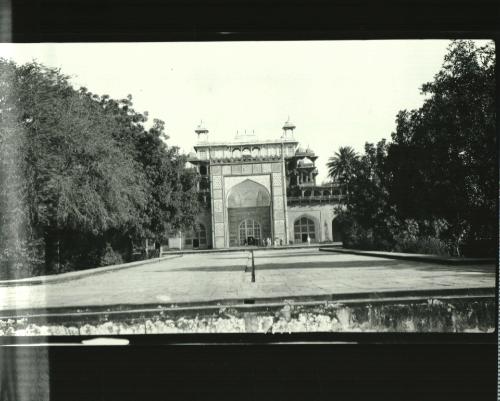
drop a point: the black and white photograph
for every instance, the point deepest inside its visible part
(339, 186)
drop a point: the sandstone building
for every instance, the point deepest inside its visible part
(258, 192)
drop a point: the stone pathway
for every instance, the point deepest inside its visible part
(218, 276)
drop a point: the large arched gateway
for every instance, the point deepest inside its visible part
(249, 214)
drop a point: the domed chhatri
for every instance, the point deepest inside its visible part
(288, 128)
(201, 132)
(309, 151)
(300, 151)
(289, 125)
(201, 129)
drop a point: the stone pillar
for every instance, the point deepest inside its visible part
(279, 209)
(218, 226)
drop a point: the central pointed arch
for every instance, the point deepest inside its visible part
(248, 194)
(249, 213)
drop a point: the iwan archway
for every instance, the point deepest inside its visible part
(248, 214)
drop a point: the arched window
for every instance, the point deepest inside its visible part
(304, 228)
(246, 152)
(236, 153)
(255, 152)
(249, 232)
(196, 239)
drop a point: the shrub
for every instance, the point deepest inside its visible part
(358, 237)
(110, 257)
(414, 237)
(425, 245)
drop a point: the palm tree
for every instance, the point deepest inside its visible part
(342, 166)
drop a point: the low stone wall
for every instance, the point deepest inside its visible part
(432, 315)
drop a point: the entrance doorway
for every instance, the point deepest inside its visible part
(196, 239)
(249, 232)
(304, 228)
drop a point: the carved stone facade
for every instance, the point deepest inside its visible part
(260, 192)
(253, 195)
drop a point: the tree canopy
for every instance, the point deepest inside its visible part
(81, 176)
(439, 172)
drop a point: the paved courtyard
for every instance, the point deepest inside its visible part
(218, 276)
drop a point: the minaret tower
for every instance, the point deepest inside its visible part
(288, 129)
(202, 133)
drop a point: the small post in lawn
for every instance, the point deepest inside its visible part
(253, 269)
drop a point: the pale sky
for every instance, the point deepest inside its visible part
(337, 93)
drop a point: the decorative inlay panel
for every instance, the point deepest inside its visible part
(266, 167)
(219, 230)
(257, 168)
(276, 179)
(215, 170)
(276, 167)
(279, 228)
(278, 214)
(278, 190)
(236, 170)
(217, 206)
(217, 182)
(246, 169)
(226, 170)
(218, 193)
(278, 202)
(219, 217)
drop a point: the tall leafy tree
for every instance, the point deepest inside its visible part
(442, 161)
(81, 177)
(436, 182)
(78, 179)
(342, 167)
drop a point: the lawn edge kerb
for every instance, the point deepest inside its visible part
(414, 257)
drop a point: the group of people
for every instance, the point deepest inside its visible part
(267, 242)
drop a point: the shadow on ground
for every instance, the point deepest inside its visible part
(292, 255)
(325, 265)
(383, 263)
(286, 266)
(234, 268)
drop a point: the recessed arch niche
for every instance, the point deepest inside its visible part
(248, 201)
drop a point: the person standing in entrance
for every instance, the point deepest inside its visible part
(308, 240)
